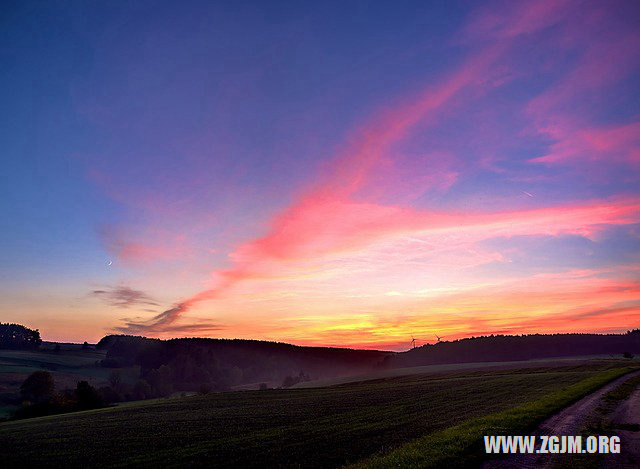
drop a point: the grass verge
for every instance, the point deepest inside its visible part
(462, 445)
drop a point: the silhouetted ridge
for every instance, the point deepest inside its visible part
(218, 364)
(512, 348)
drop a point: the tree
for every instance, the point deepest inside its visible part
(142, 390)
(17, 337)
(289, 381)
(108, 395)
(85, 345)
(115, 381)
(293, 380)
(235, 375)
(87, 396)
(38, 387)
(160, 381)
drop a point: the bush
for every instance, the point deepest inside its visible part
(87, 396)
(293, 380)
(38, 387)
(29, 410)
(142, 390)
(108, 395)
(160, 381)
(115, 381)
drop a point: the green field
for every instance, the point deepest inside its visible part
(467, 366)
(461, 445)
(72, 362)
(316, 427)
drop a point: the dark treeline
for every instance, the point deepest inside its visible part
(524, 347)
(143, 368)
(40, 397)
(17, 337)
(195, 364)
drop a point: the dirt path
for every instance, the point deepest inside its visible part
(569, 422)
(626, 424)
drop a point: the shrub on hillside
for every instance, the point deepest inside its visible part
(293, 380)
(108, 395)
(87, 397)
(141, 390)
(38, 387)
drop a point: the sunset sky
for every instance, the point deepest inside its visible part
(343, 173)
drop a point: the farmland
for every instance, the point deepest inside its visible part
(67, 367)
(313, 427)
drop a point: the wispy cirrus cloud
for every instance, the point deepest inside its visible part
(292, 230)
(156, 326)
(587, 145)
(353, 220)
(568, 110)
(123, 296)
(331, 217)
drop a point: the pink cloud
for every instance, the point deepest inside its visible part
(517, 19)
(329, 227)
(605, 59)
(564, 112)
(331, 217)
(344, 176)
(611, 143)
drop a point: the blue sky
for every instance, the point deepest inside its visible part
(268, 169)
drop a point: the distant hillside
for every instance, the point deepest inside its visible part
(186, 364)
(524, 347)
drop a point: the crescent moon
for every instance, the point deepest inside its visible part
(109, 263)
